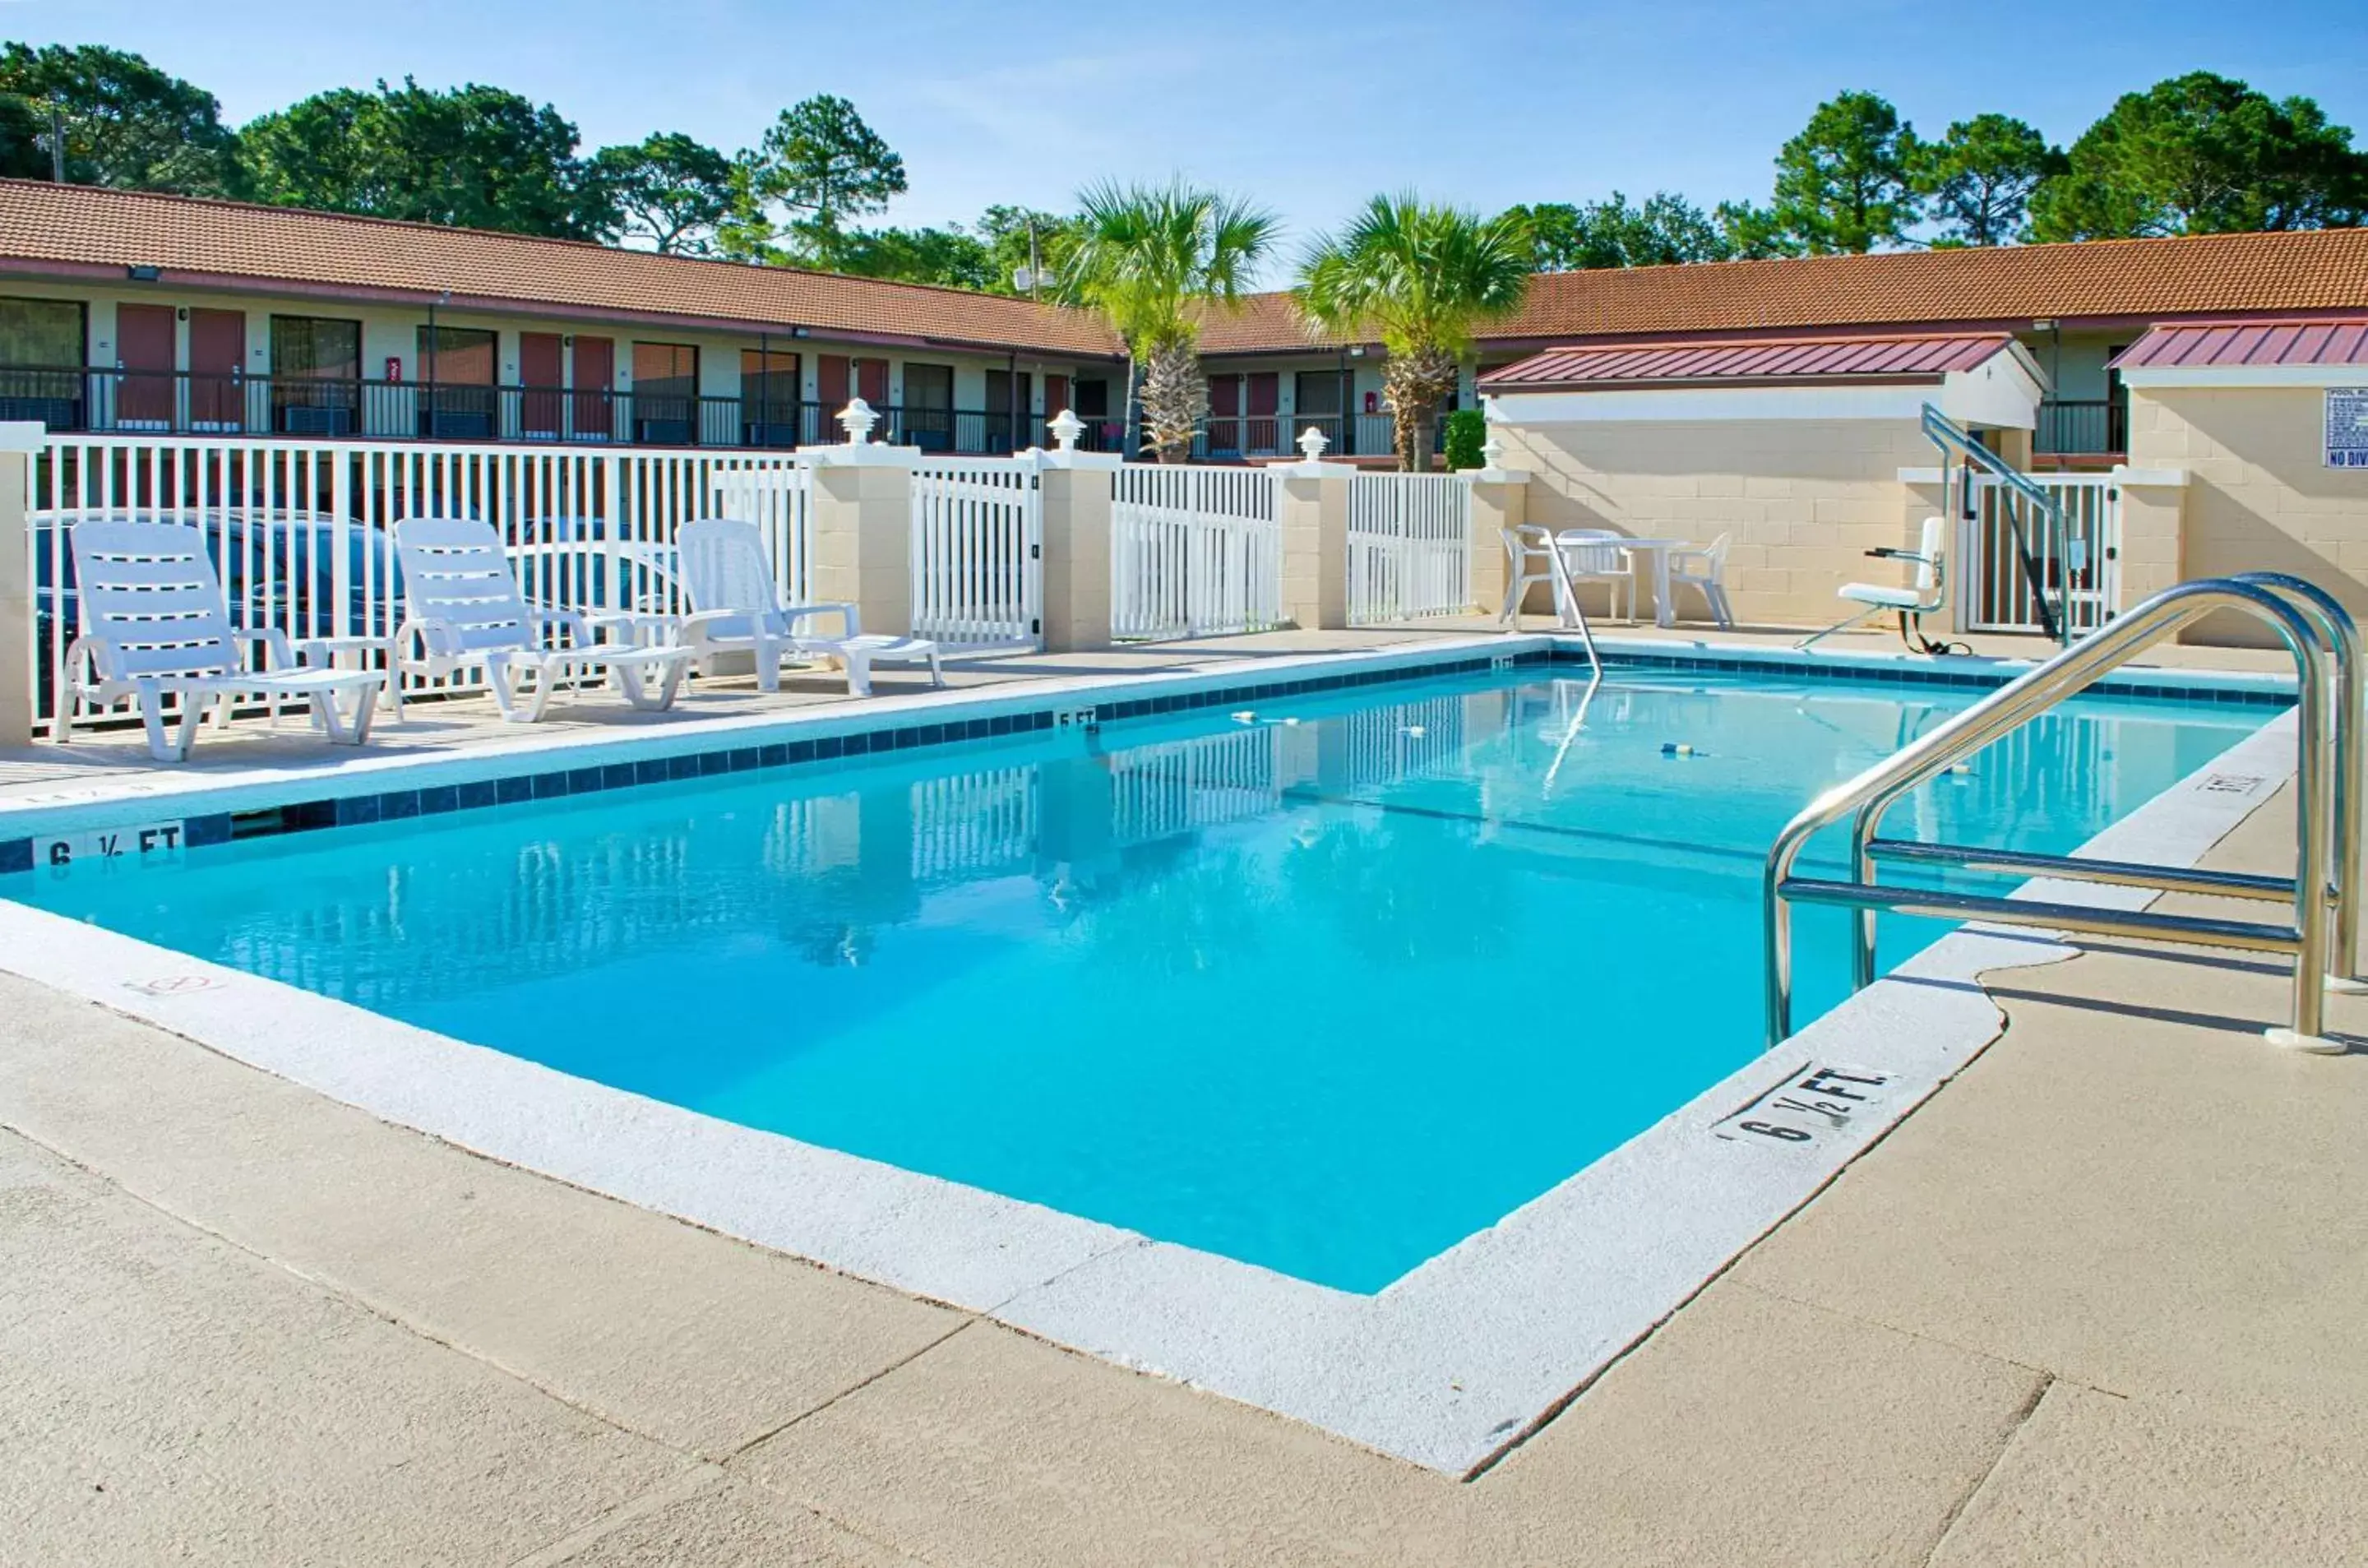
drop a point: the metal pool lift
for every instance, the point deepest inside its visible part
(2326, 647)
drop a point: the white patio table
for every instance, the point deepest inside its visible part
(1656, 551)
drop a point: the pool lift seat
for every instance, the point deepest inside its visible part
(1912, 603)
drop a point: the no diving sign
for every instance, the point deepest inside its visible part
(2346, 427)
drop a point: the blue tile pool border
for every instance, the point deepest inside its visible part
(16, 854)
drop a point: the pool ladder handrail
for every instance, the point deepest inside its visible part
(2325, 643)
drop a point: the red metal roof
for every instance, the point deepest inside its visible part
(1921, 358)
(2250, 343)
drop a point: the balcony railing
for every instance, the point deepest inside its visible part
(1224, 437)
(2077, 427)
(102, 400)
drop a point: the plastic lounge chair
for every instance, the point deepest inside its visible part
(1705, 569)
(154, 625)
(1593, 555)
(462, 610)
(1912, 603)
(737, 608)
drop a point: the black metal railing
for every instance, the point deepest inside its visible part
(2082, 428)
(185, 402)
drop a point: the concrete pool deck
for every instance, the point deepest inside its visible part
(2095, 1301)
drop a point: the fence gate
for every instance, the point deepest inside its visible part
(2080, 569)
(978, 569)
(1409, 545)
(1195, 552)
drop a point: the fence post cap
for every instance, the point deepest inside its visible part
(1312, 442)
(23, 435)
(1067, 427)
(857, 419)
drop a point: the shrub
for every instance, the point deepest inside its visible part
(1467, 432)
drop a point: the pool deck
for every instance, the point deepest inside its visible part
(2097, 1301)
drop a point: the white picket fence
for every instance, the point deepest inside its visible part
(2080, 570)
(977, 553)
(301, 531)
(1409, 545)
(1195, 552)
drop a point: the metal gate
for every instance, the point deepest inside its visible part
(2079, 568)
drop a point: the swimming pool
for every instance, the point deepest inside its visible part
(1325, 985)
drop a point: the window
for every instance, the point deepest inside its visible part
(666, 393)
(770, 397)
(457, 355)
(1090, 399)
(930, 408)
(308, 349)
(316, 371)
(40, 332)
(458, 361)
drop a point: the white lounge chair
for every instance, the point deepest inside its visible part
(153, 625)
(1593, 555)
(1706, 570)
(736, 608)
(1919, 598)
(462, 610)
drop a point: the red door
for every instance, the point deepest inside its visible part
(831, 385)
(1224, 414)
(595, 382)
(216, 369)
(144, 352)
(540, 374)
(871, 382)
(1056, 394)
(1265, 398)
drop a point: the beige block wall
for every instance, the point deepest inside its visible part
(1804, 499)
(863, 542)
(2259, 496)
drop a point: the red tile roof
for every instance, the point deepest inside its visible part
(45, 227)
(2205, 275)
(2250, 343)
(1756, 361)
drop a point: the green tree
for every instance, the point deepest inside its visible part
(1153, 260)
(1981, 177)
(1005, 231)
(1665, 230)
(475, 157)
(1843, 184)
(24, 138)
(127, 123)
(951, 257)
(1752, 232)
(822, 164)
(2201, 154)
(668, 190)
(1424, 279)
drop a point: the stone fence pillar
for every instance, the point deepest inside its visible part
(1499, 502)
(862, 521)
(19, 441)
(1315, 541)
(1078, 490)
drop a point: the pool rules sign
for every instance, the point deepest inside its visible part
(2347, 427)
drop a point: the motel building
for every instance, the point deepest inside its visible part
(2193, 406)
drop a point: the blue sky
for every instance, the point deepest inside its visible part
(1307, 108)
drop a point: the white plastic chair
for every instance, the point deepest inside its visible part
(462, 610)
(736, 608)
(153, 625)
(1705, 569)
(1594, 555)
(1532, 558)
(1919, 598)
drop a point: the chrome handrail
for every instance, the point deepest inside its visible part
(1947, 434)
(2325, 646)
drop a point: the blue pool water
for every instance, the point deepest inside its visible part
(1325, 996)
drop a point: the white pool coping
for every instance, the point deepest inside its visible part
(1447, 1367)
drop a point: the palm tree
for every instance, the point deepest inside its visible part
(1153, 261)
(1423, 280)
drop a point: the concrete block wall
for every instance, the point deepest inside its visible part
(1804, 499)
(2258, 497)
